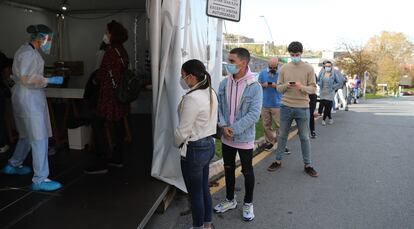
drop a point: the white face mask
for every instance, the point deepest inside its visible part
(105, 39)
(183, 84)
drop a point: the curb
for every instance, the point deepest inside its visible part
(216, 169)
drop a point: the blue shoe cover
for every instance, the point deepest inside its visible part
(21, 170)
(46, 186)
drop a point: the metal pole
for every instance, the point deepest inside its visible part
(366, 75)
(270, 31)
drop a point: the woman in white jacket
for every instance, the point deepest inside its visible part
(197, 113)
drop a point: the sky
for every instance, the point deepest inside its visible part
(323, 24)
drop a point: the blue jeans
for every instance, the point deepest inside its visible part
(39, 155)
(195, 169)
(355, 93)
(301, 116)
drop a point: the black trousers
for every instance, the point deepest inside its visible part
(312, 106)
(102, 146)
(326, 107)
(246, 159)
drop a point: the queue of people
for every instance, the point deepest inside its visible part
(281, 91)
(281, 95)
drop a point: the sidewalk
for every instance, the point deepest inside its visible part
(364, 182)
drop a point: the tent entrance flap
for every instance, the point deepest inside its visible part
(179, 31)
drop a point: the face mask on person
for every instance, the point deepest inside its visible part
(46, 48)
(183, 84)
(328, 69)
(46, 45)
(106, 39)
(232, 69)
(295, 59)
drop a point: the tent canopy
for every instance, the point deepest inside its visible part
(75, 6)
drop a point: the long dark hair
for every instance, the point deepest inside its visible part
(118, 32)
(197, 69)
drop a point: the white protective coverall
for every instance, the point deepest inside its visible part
(31, 111)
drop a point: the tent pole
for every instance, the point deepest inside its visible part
(60, 36)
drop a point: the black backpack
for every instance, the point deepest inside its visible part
(128, 89)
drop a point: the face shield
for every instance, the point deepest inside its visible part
(46, 43)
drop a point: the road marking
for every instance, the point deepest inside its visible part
(259, 157)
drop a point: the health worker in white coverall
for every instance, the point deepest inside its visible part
(30, 109)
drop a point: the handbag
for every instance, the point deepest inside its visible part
(129, 87)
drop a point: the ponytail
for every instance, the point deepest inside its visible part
(210, 89)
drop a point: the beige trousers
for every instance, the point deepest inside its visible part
(270, 115)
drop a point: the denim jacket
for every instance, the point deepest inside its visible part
(336, 82)
(248, 111)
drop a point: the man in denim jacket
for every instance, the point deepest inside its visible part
(240, 103)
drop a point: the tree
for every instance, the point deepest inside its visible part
(389, 72)
(355, 61)
(391, 52)
(389, 44)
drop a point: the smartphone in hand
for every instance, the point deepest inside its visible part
(269, 83)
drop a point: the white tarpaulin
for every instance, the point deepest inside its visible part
(180, 30)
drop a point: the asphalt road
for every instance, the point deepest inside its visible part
(366, 165)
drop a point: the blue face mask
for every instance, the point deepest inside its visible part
(295, 59)
(46, 48)
(232, 69)
(328, 69)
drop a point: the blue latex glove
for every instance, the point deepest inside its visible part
(55, 80)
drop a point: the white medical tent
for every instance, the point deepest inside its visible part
(167, 32)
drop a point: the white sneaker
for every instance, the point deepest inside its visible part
(330, 121)
(4, 149)
(248, 213)
(225, 206)
(323, 123)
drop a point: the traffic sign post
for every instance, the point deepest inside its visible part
(366, 77)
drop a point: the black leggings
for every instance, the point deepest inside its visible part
(326, 106)
(312, 106)
(229, 159)
(102, 146)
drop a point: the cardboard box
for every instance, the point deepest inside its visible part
(79, 137)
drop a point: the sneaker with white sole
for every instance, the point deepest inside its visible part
(287, 151)
(225, 206)
(248, 213)
(323, 123)
(330, 121)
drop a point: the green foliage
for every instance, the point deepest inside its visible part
(385, 57)
(374, 96)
